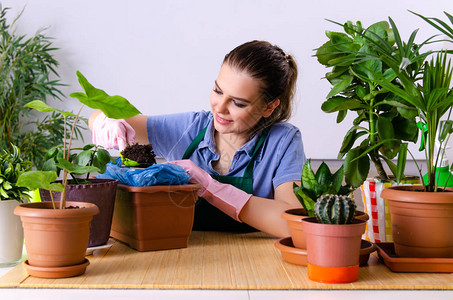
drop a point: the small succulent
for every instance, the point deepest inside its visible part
(335, 209)
(314, 185)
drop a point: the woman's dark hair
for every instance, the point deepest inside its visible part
(276, 71)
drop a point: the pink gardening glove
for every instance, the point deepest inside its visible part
(112, 133)
(225, 197)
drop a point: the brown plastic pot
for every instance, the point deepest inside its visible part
(421, 221)
(333, 250)
(294, 218)
(56, 237)
(154, 217)
(100, 192)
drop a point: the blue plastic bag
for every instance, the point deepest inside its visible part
(157, 174)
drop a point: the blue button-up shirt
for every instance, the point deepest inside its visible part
(280, 159)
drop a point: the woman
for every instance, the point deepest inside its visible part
(243, 152)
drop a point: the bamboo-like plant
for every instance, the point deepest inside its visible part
(429, 92)
(27, 73)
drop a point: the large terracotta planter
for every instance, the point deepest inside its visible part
(294, 218)
(333, 250)
(11, 234)
(154, 217)
(100, 192)
(422, 222)
(56, 238)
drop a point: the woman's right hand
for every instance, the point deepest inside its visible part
(112, 133)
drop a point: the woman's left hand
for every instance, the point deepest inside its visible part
(225, 197)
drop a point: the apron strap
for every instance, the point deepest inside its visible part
(193, 146)
(251, 164)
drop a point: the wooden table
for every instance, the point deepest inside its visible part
(216, 260)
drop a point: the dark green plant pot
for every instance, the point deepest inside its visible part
(101, 192)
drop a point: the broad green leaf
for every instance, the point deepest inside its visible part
(39, 180)
(405, 129)
(96, 163)
(360, 91)
(84, 157)
(350, 138)
(338, 103)
(341, 116)
(308, 179)
(356, 169)
(337, 179)
(325, 53)
(74, 168)
(43, 107)
(323, 175)
(385, 130)
(340, 87)
(115, 107)
(401, 164)
(103, 156)
(89, 146)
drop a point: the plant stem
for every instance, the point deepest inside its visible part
(63, 194)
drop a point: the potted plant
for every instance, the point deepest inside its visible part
(60, 252)
(156, 217)
(11, 232)
(422, 216)
(384, 121)
(333, 240)
(314, 185)
(28, 73)
(100, 192)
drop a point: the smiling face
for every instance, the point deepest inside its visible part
(236, 102)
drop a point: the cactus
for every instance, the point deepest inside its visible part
(335, 209)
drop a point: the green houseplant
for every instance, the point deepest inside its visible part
(11, 232)
(314, 185)
(423, 216)
(333, 240)
(28, 73)
(51, 262)
(383, 119)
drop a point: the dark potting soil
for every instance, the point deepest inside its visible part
(142, 154)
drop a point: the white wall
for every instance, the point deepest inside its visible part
(164, 55)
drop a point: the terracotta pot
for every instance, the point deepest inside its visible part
(56, 237)
(333, 250)
(294, 218)
(421, 221)
(100, 192)
(154, 217)
(298, 256)
(11, 234)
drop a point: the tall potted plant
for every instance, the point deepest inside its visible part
(384, 121)
(11, 195)
(422, 217)
(28, 72)
(58, 252)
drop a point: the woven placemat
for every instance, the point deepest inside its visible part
(216, 260)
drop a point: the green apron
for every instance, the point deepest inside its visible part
(208, 217)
